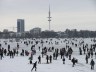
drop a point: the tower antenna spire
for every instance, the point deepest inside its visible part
(49, 18)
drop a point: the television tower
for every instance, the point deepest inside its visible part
(49, 18)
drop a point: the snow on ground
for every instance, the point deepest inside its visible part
(21, 64)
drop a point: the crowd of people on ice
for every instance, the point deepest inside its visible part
(89, 50)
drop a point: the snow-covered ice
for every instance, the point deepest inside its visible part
(21, 64)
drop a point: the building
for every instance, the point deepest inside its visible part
(20, 26)
(5, 30)
(36, 30)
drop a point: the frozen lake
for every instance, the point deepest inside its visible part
(21, 63)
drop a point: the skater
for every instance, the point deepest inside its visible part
(54, 56)
(8, 47)
(5, 52)
(95, 55)
(69, 56)
(86, 59)
(50, 59)
(31, 58)
(92, 63)
(91, 54)
(80, 50)
(47, 59)
(34, 66)
(42, 52)
(39, 48)
(84, 49)
(63, 60)
(73, 61)
(30, 61)
(1, 55)
(17, 52)
(39, 59)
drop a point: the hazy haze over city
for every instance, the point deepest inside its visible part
(71, 14)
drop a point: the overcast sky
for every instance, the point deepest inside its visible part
(71, 14)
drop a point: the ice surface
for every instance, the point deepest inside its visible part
(21, 64)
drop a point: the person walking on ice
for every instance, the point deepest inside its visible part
(63, 60)
(39, 60)
(92, 63)
(34, 66)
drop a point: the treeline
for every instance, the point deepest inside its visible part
(81, 33)
(51, 34)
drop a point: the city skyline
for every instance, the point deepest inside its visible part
(71, 14)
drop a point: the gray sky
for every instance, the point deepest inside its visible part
(71, 14)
